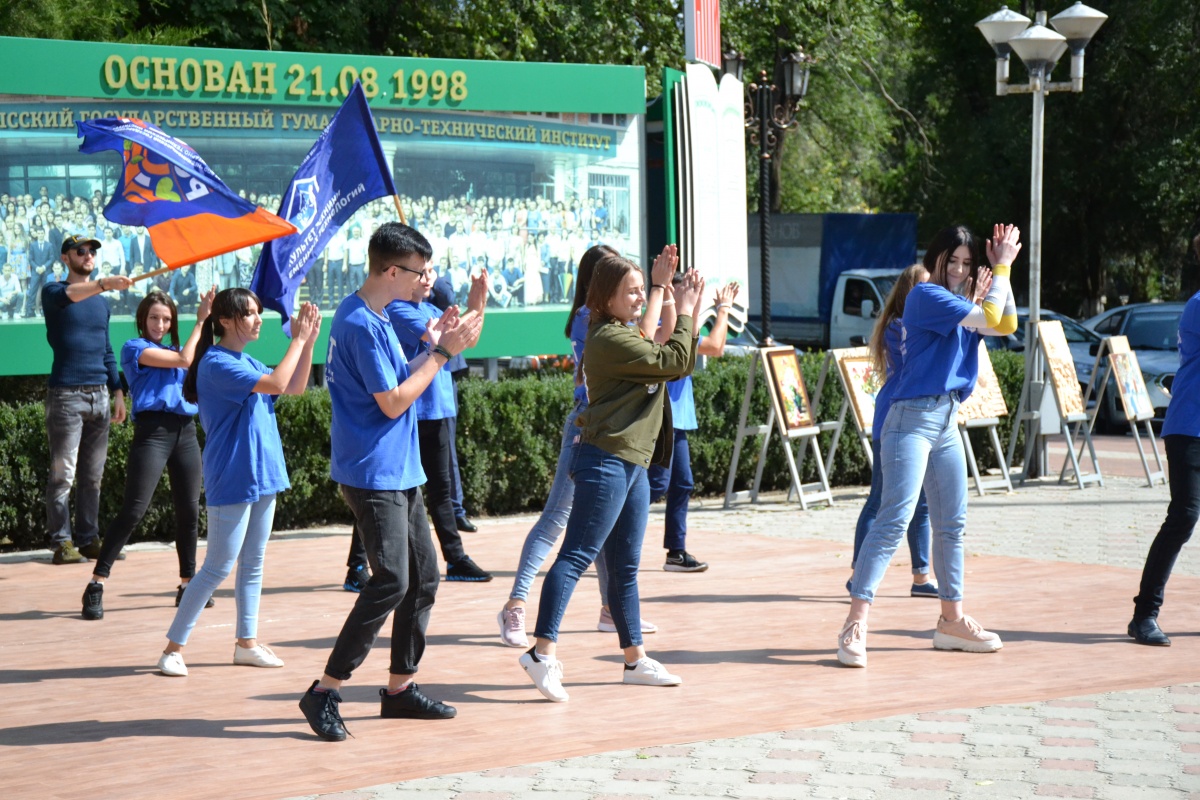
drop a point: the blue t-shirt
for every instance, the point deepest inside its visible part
(939, 355)
(78, 335)
(154, 388)
(883, 400)
(369, 450)
(243, 455)
(1183, 413)
(579, 329)
(409, 320)
(683, 404)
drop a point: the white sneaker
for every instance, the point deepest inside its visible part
(172, 664)
(258, 656)
(965, 634)
(648, 672)
(512, 626)
(546, 673)
(606, 624)
(852, 645)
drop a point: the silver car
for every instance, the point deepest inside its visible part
(1153, 333)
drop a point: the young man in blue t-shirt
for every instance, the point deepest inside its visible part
(375, 459)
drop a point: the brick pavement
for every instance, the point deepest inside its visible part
(1124, 745)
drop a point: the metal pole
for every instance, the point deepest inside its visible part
(764, 202)
(1033, 358)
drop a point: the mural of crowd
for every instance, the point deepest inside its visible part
(529, 246)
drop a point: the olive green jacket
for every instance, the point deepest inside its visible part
(626, 377)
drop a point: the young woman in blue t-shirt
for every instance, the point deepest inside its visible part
(919, 442)
(553, 521)
(164, 436)
(243, 463)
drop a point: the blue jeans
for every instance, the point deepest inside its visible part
(677, 484)
(237, 534)
(553, 521)
(77, 419)
(920, 445)
(612, 502)
(918, 529)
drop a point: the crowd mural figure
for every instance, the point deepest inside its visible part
(389, 364)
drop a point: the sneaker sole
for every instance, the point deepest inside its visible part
(524, 637)
(414, 715)
(943, 641)
(848, 660)
(640, 682)
(678, 568)
(915, 592)
(607, 628)
(86, 615)
(468, 580)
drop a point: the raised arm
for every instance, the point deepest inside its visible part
(280, 381)
(997, 313)
(449, 336)
(658, 320)
(714, 343)
(181, 359)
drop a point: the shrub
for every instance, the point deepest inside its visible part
(510, 433)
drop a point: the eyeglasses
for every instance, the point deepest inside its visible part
(82, 252)
(408, 269)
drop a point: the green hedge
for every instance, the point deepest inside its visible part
(509, 437)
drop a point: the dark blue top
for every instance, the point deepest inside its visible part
(1183, 412)
(243, 454)
(153, 388)
(409, 321)
(939, 355)
(78, 335)
(369, 450)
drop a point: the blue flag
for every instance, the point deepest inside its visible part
(343, 171)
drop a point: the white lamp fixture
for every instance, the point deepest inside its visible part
(1079, 24)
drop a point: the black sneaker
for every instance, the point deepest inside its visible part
(465, 525)
(93, 601)
(682, 561)
(179, 596)
(466, 570)
(356, 579)
(413, 704)
(321, 711)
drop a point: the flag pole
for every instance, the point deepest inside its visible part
(159, 271)
(399, 210)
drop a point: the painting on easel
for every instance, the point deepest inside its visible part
(787, 390)
(1132, 386)
(861, 381)
(987, 401)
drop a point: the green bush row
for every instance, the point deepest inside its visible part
(509, 437)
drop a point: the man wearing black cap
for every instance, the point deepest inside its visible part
(77, 403)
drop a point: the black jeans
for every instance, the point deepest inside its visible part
(434, 438)
(160, 439)
(404, 580)
(1183, 458)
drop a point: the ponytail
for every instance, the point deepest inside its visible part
(206, 341)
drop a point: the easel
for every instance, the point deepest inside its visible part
(806, 436)
(837, 426)
(1105, 368)
(1071, 408)
(983, 410)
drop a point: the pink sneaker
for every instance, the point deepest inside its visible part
(606, 624)
(965, 634)
(512, 626)
(852, 644)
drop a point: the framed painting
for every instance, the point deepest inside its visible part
(786, 385)
(987, 401)
(1131, 386)
(861, 383)
(1061, 368)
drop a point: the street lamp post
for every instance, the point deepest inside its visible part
(770, 110)
(1040, 49)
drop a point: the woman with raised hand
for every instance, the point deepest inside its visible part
(553, 521)
(920, 443)
(887, 355)
(621, 434)
(243, 463)
(164, 437)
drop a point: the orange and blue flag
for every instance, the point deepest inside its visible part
(188, 211)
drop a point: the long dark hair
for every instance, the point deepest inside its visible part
(893, 309)
(231, 304)
(583, 278)
(607, 276)
(157, 297)
(944, 243)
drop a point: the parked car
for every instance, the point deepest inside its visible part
(1079, 339)
(1153, 333)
